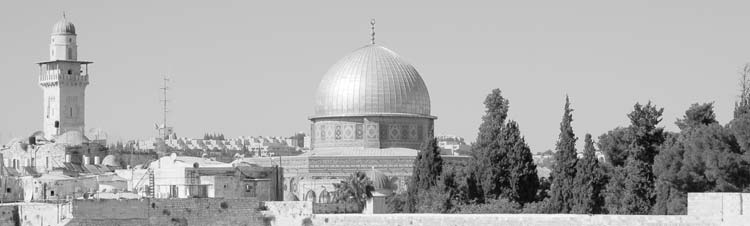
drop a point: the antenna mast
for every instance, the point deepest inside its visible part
(164, 130)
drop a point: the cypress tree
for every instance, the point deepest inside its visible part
(740, 125)
(428, 166)
(487, 149)
(524, 182)
(564, 171)
(742, 106)
(590, 181)
(492, 122)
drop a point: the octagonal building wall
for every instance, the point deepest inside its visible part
(360, 132)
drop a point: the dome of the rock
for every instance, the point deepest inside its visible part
(372, 98)
(372, 80)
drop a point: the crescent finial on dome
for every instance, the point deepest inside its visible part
(372, 28)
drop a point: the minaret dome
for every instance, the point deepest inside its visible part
(64, 27)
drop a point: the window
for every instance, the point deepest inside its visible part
(70, 71)
(49, 102)
(7, 190)
(71, 112)
(250, 189)
(51, 193)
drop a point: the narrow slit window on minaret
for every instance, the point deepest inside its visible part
(49, 102)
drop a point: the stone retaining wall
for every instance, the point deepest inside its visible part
(506, 220)
(195, 211)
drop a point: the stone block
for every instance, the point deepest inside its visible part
(745, 200)
(705, 204)
(731, 204)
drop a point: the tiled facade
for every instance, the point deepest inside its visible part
(371, 132)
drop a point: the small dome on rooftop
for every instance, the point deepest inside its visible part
(110, 160)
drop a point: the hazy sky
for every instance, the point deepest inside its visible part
(252, 67)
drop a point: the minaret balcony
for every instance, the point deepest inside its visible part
(54, 77)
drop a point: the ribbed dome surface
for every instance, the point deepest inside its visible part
(373, 80)
(109, 160)
(64, 27)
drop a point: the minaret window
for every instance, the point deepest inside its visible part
(49, 102)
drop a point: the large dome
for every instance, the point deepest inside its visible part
(373, 80)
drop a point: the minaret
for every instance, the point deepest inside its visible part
(63, 79)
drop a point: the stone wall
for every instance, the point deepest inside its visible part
(11, 189)
(43, 214)
(704, 209)
(197, 211)
(730, 208)
(326, 208)
(287, 212)
(504, 219)
(8, 215)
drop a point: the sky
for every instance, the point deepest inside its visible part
(249, 68)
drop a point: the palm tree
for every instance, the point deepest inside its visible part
(356, 188)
